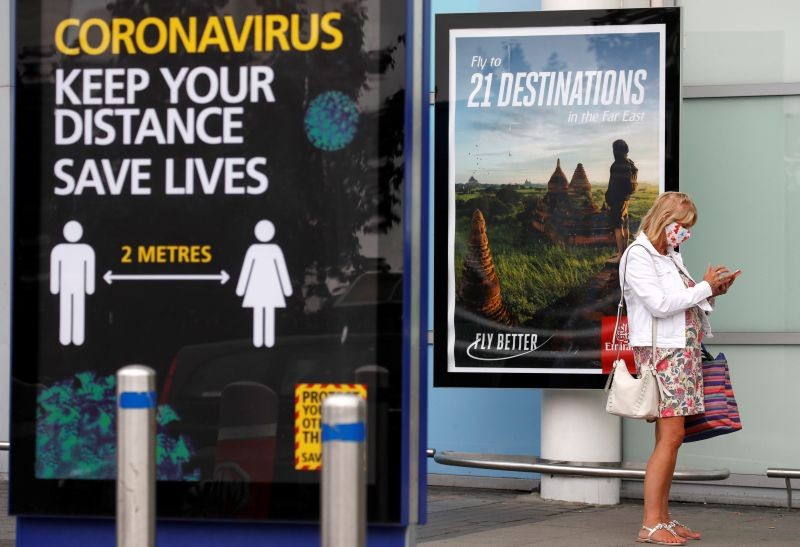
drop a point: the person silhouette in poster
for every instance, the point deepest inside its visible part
(264, 283)
(72, 278)
(622, 183)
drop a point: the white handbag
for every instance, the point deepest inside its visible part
(632, 397)
(629, 396)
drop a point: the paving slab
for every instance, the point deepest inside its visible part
(465, 516)
(472, 517)
(8, 525)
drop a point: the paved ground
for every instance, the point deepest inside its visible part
(469, 517)
(7, 524)
(464, 517)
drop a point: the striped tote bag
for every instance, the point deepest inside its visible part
(722, 412)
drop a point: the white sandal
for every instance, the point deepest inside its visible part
(660, 526)
(673, 523)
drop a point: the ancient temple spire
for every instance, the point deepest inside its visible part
(480, 289)
(580, 190)
(558, 180)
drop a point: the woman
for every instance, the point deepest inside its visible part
(658, 286)
(264, 283)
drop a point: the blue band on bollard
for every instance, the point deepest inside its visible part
(137, 399)
(344, 432)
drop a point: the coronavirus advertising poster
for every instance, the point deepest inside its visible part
(213, 190)
(555, 131)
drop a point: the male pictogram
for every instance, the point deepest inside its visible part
(72, 278)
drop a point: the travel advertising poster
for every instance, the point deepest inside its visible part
(213, 190)
(555, 132)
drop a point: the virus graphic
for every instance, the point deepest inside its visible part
(76, 432)
(331, 121)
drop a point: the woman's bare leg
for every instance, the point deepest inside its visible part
(658, 477)
(680, 530)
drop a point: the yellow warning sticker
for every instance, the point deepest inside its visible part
(308, 420)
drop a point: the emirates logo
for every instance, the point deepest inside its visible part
(622, 334)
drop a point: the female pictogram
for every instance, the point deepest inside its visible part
(264, 283)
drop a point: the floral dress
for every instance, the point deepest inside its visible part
(680, 370)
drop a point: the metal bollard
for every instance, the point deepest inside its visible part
(344, 485)
(136, 456)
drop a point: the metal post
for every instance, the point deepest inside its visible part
(344, 486)
(136, 456)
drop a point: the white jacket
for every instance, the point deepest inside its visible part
(654, 288)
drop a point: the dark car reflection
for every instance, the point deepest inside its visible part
(237, 403)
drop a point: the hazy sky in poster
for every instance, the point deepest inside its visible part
(499, 145)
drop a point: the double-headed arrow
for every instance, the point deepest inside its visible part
(222, 277)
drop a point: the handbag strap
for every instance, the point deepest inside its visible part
(659, 381)
(622, 299)
(652, 365)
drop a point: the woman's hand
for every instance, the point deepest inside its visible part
(720, 278)
(728, 280)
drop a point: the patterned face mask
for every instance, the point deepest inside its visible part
(676, 234)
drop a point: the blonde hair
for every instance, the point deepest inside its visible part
(668, 207)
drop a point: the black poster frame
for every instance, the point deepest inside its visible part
(443, 255)
(386, 344)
